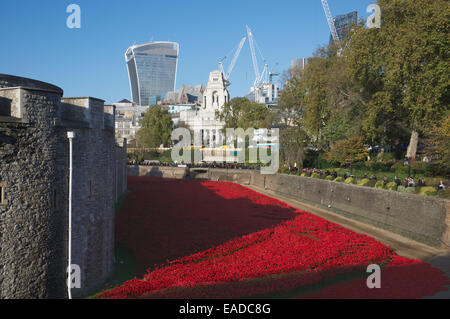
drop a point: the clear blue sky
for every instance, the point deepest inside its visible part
(36, 43)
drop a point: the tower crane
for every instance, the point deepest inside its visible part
(262, 86)
(330, 21)
(226, 76)
(259, 77)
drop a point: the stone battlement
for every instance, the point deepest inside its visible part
(17, 94)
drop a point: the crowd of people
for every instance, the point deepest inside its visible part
(194, 165)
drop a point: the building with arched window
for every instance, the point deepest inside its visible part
(203, 119)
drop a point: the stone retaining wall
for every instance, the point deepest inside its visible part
(421, 218)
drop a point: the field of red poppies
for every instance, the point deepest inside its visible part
(203, 239)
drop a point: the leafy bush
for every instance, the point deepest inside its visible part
(378, 166)
(339, 179)
(359, 165)
(348, 151)
(379, 185)
(436, 169)
(349, 180)
(428, 191)
(329, 178)
(400, 168)
(391, 186)
(322, 162)
(385, 157)
(364, 182)
(303, 174)
(404, 189)
(315, 175)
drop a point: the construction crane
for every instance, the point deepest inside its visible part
(259, 77)
(330, 21)
(252, 50)
(226, 76)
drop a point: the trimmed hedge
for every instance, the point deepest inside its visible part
(364, 182)
(404, 189)
(428, 191)
(391, 186)
(349, 180)
(379, 185)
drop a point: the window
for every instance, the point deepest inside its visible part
(3, 200)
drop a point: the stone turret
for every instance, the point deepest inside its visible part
(216, 93)
(34, 120)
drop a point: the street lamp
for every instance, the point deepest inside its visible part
(408, 162)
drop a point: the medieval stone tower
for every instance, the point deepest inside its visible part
(34, 159)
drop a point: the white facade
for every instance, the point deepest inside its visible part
(203, 120)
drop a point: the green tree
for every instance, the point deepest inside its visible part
(321, 97)
(403, 67)
(156, 128)
(291, 98)
(348, 151)
(242, 113)
(293, 142)
(437, 143)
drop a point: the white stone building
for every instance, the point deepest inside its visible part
(203, 119)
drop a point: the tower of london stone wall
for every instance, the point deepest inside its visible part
(34, 170)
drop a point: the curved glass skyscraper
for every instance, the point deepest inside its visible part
(152, 70)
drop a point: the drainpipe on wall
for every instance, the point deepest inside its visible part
(70, 136)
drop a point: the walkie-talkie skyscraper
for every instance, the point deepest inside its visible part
(152, 70)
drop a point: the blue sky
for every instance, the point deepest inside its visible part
(36, 43)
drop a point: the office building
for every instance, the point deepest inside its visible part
(152, 70)
(343, 24)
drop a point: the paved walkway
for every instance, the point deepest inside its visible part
(402, 246)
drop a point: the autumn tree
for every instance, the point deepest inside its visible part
(402, 67)
(156, 128)
(437, 142)
(348, 151)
